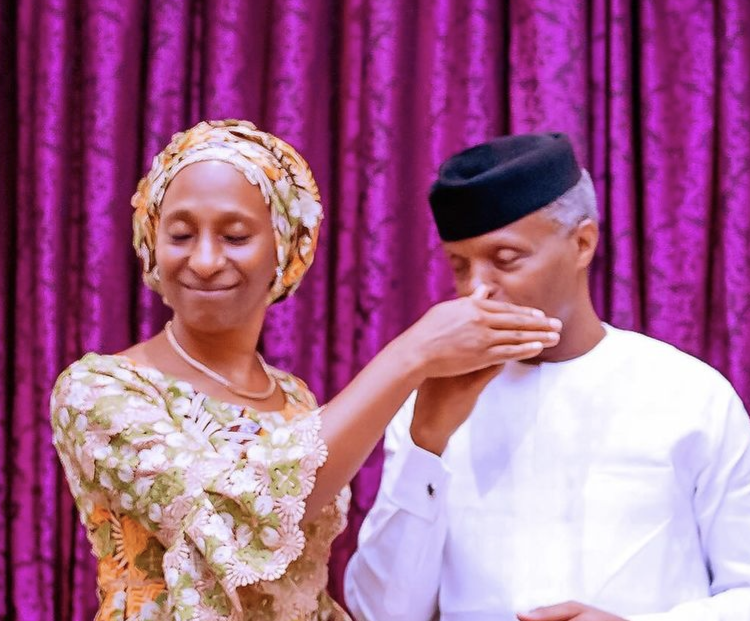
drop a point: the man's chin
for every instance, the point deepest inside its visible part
(548, 354)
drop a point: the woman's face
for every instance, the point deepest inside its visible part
(215, 247)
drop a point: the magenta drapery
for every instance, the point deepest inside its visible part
(655, 94)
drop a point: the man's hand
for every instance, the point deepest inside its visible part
(443, 403)
(567, 611)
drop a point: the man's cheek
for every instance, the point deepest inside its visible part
(462, 287)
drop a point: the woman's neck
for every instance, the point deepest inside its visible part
(230, 352)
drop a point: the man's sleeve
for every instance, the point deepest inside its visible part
(722, 510)
(395, 573)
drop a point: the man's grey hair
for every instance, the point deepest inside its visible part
(576, 205)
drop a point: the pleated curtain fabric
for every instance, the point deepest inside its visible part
(655, 95)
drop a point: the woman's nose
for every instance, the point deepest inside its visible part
(207, 257)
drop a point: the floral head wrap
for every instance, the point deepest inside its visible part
(281, 173)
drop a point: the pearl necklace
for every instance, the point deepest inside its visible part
(220, 379)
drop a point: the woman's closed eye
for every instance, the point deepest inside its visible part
(179, 237)
(237, 240)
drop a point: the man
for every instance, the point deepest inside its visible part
(607, 479)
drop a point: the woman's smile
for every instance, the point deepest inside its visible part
(209, 288)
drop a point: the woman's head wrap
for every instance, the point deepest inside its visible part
(281, 173)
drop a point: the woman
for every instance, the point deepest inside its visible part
(208, 481)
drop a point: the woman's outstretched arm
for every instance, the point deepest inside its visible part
(452, 338)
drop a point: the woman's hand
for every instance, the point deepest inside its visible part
(472, 333)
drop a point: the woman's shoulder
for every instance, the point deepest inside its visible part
(105, 375)
(294, 387)
(93, 366)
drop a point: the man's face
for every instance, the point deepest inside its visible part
(532, 262)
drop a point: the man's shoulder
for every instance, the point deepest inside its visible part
(664, 362)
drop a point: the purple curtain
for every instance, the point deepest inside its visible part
(375, 93)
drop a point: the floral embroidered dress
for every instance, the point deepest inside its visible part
(193, 505)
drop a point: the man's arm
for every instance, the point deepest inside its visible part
(395, 573)
(722, 511)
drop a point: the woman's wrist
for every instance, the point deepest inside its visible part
(408, 358)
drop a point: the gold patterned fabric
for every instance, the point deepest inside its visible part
(283, 176)
(193, 506)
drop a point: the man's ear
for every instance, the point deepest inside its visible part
(587, 237)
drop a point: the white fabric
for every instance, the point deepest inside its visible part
(620, 479)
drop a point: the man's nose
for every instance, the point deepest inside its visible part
(479, 276)
(482, 274)
(207, 256)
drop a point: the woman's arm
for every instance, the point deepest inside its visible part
(452, 338)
